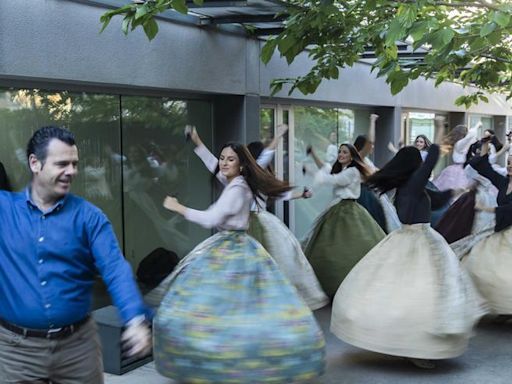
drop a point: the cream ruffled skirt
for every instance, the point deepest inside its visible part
(285, 249)
(487, 257)
(408, 297)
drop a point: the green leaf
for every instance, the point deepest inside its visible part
(268, 50)
(395, 32)
(198, 2)
(487, 29)
(501, 18)
(442, 38)
(398, 80)
(286, 43)
(483, 98)
(406, 15)
(141, 11)
(333, 72)
(151, 28)
(418, 30)
(106, 22)
(276, 86)
(180, 6)
(126, 23)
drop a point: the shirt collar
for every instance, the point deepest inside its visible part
(57, 206)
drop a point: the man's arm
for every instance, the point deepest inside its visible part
(118, 277)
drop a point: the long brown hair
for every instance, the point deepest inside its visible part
(357, 162)
(449, 140)
(261, 182)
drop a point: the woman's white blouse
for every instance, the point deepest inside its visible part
(346, 184)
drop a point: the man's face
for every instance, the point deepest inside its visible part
(54, 177)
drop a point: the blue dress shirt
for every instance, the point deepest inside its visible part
(48, 262)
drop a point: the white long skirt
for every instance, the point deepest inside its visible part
(285, 249)
(489, 263)
(408, 297)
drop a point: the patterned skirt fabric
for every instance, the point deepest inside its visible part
(408, 297)
(340, 237)
(285, 249)
(489, 263)
(230, 316)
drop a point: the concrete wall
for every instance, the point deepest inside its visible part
(358, 85)
(59, 40)
(57, 43)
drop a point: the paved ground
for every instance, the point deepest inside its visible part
(487, 361)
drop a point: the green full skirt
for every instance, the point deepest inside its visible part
(340, 237)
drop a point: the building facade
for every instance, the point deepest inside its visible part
(128, 100)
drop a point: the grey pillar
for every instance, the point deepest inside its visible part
(236, 118)
(457, 118)
(388, 129)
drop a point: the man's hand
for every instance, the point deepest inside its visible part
(136, 338)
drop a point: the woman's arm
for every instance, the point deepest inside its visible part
(281, 130)
(319, 163)
(420, 177)
(482, 166)
(229, 203)
(208, 159)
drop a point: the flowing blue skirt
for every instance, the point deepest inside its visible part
(230, 316)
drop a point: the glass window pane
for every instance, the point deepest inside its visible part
(324, 129)
(158, 162)
(93, 118)
(421, 124)
(267, 123)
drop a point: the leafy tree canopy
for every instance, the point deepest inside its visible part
(463, 41)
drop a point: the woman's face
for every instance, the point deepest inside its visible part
(420, 143)
(487, 134)
(229, 164)
(509, 165)
(368, 147)
(344, 156)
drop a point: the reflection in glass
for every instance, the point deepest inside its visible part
(93, 118)
(157, 162)
(325, 129)
(267, 123)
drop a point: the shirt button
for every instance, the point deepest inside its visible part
(43, 217)
(41, 239)
(40, 261)
(43, 283)
(47, 306)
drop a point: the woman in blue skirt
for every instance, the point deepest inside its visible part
(229, 314)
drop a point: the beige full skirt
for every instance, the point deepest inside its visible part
(408, 297)
(489, 263)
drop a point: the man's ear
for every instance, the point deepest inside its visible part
(34, 163)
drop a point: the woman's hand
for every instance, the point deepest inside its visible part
(307, 193)
(172, 204)
(191, 132)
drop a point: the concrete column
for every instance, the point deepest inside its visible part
(457, 118)
(236, 118)
(388, 129)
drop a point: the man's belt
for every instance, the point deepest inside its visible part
(54, 333)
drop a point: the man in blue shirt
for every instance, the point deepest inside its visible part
(52, 244)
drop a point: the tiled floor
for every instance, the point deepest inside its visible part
(487, 361)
